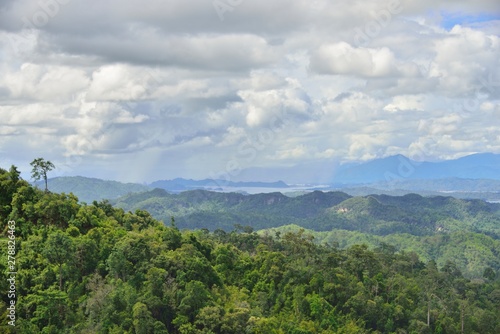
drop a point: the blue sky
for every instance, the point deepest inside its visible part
(250, 90)
(449, 20)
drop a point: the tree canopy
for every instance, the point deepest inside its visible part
(99, 269)
(40, 169)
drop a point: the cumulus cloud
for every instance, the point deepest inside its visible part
(275, 106)
(342, 58)
(192, 90)
(44, 82)
(465, 59)
(406, 102)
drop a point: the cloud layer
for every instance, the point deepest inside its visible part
(136, 92)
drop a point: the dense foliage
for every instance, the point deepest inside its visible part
(320, 211)
(473, 253)
(98, 269)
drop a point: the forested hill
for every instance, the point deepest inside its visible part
(99, 269)
(91, 189)
(471, 252)
(321, 211)
(436, 228)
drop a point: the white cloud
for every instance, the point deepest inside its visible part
(464, 58)
(233, 136)
(274, 106)
(406, 102)
(293, 153)
(342, 58)
(274, 82)
(261, 80)
(117, 82)
(45, 82)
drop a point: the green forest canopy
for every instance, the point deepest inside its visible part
(123, 272)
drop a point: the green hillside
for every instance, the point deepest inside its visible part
(98, 269)
(320, 211)
(436, 228)
(471, 252)
(213, 210)
(91, 189)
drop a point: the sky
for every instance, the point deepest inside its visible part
(262, 90)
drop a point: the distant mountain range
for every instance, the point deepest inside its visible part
(179, 184)
(399, 167)
(91, 189)
(474, 176)
(436, 227)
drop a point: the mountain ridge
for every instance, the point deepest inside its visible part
(89, 189)
(181, 184)
(322, 211)
(473, 176)
(400, 167)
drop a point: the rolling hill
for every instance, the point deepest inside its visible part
(321, 211)
(91, 189)
(471, 252)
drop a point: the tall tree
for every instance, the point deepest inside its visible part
(40, 169)
(9, 183)
(59, 249)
